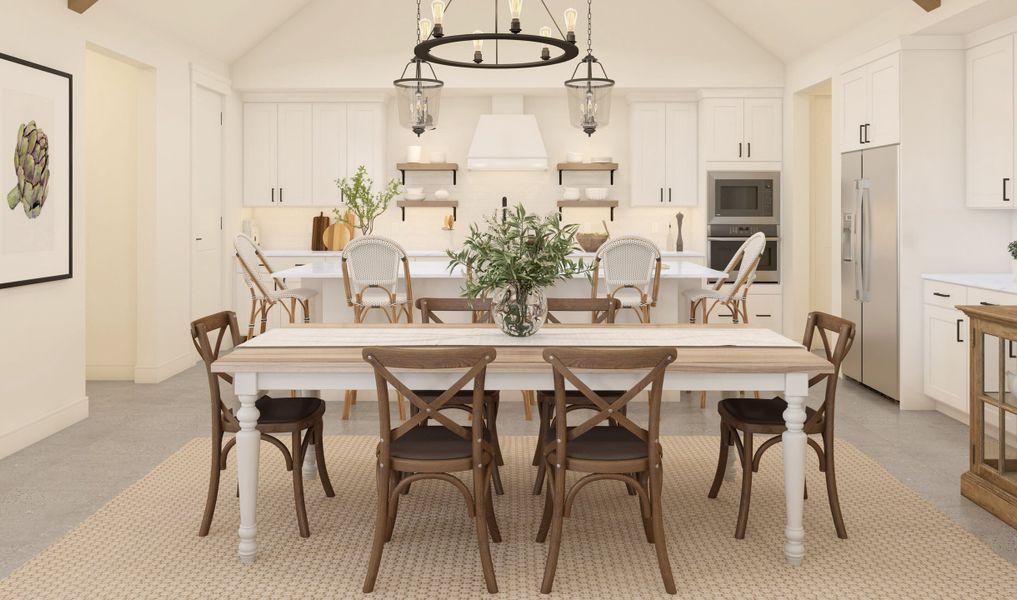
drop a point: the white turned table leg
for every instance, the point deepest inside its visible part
(795, 444)
(310, 470)
(248, 454)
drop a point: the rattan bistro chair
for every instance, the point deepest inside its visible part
(480, 312)
(267, 291)
(278, 415)
(626, 453)
(751, 417)
(631, 267)
(746, 260)
(413, 451)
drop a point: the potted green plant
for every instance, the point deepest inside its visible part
(512, 261)
(358, 199)
(1013, 254)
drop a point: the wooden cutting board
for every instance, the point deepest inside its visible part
(337, 235)
(318, 227)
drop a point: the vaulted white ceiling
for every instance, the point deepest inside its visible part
(223, 29)
(791, 29)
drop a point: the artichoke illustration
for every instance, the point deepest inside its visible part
(31, 163)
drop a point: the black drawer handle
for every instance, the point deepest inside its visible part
(764, 316)
(1011, 349)
(988, 304)
(940, 295)
(959, 321)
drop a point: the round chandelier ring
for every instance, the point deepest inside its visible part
(569, 50)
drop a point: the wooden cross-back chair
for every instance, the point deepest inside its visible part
(267, 291)
(278, 415)
(415, 450)
(602, 310)
(625, 452)
(631, 266)
(751, 417)
(480, 312)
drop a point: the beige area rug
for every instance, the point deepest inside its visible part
(144, 543)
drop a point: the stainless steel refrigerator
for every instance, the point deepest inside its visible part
(869, 276)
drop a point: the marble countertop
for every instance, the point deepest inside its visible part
(438, 270)
(999, 282)
(441, 253)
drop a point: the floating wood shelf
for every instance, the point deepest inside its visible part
(569, 166)
(611, 204)
(420, 167)
(404, 204)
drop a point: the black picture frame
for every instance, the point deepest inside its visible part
(70, 172)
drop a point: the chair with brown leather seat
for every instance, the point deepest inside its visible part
(277, 415)
(626, 452)
(752, 417)
(414, 451)
(602, 310)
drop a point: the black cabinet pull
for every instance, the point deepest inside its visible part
(198, 239)
(1005, 180)
(988, 304)
(668, 194)
(867, 140)
(940, 295)
(739, 149)
(959, 321)
(861, 140)
(662, 195)
(1010, 353)
(750, 149)
(764, 316)
(273, 194)
(280, 195)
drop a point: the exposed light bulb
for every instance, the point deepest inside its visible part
(515, 8)
(545, 31)
(438, 12)
(425, 28)
(545, 52)
(478, 45)
(571, 17)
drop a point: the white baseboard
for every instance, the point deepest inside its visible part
(160, 373)
(109, 372)
(43, 427)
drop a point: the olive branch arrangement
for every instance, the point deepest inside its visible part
(358, 199)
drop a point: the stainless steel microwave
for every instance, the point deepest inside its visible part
(737, 198)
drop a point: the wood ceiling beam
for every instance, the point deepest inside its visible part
(80, 6)
(929, 5)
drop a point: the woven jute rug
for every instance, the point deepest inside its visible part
(144, 543)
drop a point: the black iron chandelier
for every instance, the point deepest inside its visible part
(419, 96)
(589, 97)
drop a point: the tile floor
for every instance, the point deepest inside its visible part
(48, 488)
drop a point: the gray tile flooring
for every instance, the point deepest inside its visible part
(48, 488)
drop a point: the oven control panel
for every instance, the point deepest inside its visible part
(742, 231)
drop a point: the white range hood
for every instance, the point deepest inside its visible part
(507, 140)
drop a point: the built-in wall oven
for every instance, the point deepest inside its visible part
(723, 242)
(743, 198)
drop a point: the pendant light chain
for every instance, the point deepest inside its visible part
(418, 21)
(589, 26)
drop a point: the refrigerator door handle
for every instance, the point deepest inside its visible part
(856, 241)
(866, 240)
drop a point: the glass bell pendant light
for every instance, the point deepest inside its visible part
(589, 97)
(418, 97)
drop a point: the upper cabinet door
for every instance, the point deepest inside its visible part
(763, 129)
(295, 166)
(329, 151)
(883, 126)
(365, 144)
(648, 130)
(990, 124)
(260, 151)
(723, 129)
(682, 155)
(854, 90)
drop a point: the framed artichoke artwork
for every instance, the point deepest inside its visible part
(36, 184)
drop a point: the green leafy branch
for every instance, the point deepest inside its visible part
(358, 199)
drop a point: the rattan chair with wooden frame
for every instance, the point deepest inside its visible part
(480, 312)
(414, 451)
(752, 417)
(603, 310)
(371, 266)
(278, 415)
(267, 291)
(632, 266)
(626, 453)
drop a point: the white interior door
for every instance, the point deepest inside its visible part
(990, 124)
(206, 202)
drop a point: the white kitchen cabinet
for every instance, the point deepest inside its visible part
(294, 152)
(742, 129)
(261, 130)
(946, 356)
(990, 124)
(871, 109)
(665, 154)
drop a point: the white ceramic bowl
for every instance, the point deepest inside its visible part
(574, 157)
(596, 193)
(570, 193)
(600, 159)
(413, 193)
(441, 195)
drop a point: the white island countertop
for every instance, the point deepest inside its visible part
(671, 269)
(441, 253)
(998, 282)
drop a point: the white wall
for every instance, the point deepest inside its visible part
(480, 193)
(42, 359)
(822, 245)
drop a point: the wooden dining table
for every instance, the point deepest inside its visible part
(709, 358)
